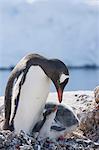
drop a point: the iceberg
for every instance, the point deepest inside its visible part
(64, 29)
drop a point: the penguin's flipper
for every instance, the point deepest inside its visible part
(20, 67)
(38, 126)
(58, 128)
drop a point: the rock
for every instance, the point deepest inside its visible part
(97, 117)
(96, 94)
(89, 124)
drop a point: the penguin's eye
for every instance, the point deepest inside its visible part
(58, 82)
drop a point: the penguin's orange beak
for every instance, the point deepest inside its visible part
(59, 89)
(60, 94)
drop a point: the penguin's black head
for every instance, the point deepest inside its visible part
(59, 75)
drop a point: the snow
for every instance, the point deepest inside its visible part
(69, 98)
(66, 29)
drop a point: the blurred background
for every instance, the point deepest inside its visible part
(63, 29)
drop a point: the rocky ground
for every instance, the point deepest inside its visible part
(86, 137)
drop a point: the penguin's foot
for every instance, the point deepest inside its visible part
(97, 107)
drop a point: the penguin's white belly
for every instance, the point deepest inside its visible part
(32, 99)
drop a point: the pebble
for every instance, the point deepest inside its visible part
(26, 147)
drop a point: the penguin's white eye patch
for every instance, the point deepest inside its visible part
(63, 77)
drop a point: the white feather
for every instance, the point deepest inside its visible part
(63, 77)
(32, 99)
(14, 94)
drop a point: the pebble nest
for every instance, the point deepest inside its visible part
(11, 141)
(86, 137)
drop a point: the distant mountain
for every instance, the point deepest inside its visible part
(66, 29)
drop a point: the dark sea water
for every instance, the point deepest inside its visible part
(80, 79)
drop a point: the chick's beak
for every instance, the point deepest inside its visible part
(55, 108)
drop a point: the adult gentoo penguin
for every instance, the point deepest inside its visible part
(27, 90)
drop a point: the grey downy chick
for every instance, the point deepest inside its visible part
(65, 121)
(43, 126)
